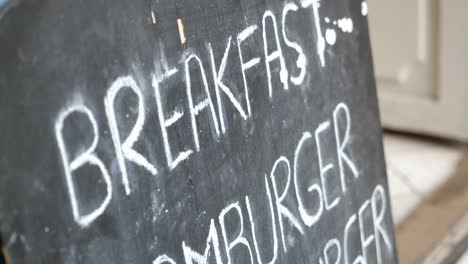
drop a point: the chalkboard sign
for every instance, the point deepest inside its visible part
(190, 131)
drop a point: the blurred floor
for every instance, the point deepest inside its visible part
(416, 167)
(429, 193)
(463, 259)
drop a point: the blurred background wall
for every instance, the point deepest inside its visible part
(420, 50)
(421, 64)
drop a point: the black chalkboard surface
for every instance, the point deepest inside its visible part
(190, 131)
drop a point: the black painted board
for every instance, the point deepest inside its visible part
(190, 131)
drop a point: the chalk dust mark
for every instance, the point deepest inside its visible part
(330, 36)
(364, 8)
(345, 24)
